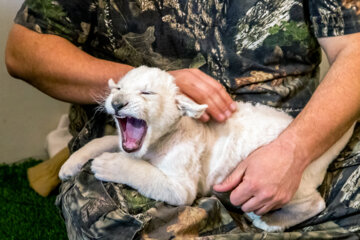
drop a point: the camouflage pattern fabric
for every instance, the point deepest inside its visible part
(100, 210)
(261, 51)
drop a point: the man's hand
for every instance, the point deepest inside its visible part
(270, 176)
(266, 180)
(203, 89)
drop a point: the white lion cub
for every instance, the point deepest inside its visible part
(167, 155)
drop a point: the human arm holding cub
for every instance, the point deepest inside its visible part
(58, 68)
(270, 176)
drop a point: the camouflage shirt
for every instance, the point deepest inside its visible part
(260, 51)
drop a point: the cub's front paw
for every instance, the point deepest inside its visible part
(107, 167)
(70, 168)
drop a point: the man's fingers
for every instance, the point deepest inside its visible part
(213, 110)
(200, 91)
(221, 105)
(223, 102)
(259, 206)
(252, 204)
(263, 210)
(231, 181)
(217, 107)
(240, 195)
(229, 102)
(205, 117)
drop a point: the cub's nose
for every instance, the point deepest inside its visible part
(118, 105)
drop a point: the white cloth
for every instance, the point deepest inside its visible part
(58, 139)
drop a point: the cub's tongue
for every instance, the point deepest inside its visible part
(133, 131)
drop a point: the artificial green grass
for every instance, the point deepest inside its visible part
(23, 213)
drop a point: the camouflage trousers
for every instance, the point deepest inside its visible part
(99, 210)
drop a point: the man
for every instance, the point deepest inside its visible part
(258, 51)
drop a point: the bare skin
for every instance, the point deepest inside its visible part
(205, 90)
(66, 72)
(330, 112)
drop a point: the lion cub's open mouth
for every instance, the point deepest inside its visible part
(133, 131)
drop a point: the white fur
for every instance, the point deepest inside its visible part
(181, 157)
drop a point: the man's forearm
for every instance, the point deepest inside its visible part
(330, 112)
(334, 107)
(58, 68)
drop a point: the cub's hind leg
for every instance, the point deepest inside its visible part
(295, 212)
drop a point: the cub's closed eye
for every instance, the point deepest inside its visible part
(147, 93)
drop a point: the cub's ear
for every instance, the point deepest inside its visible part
(188, 107)
(111, 83)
